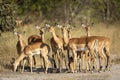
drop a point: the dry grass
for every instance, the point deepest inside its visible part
(8, 40)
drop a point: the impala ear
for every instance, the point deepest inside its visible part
(73, 27)
(56, 24)
(83, 25)
(68, 25)
(15, 33)
(59, 26)
(47, 26)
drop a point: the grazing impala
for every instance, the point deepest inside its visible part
(33, 49)
(103, 48)
(20, 45)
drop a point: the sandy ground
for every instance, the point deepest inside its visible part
(113, 75)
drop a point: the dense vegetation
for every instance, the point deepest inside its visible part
(64, 11)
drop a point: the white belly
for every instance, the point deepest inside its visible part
(35, 52)
(82, 49)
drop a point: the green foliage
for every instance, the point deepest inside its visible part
(65, 11)
(7, 19)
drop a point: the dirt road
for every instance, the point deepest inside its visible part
(113, 75)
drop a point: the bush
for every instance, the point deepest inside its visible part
(7, 14)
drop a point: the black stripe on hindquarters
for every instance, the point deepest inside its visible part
(44, 44)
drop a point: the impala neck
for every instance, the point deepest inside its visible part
(43, 38)
(65, 36)
(88, 31)
(22, 43)
(55, 36)
(69, 34)
(88, 34)
(22, 55)
(42, 35)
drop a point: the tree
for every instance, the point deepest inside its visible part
(7, 16)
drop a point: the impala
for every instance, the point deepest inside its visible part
(75, 43)
(20, 47)
(57, 46)
(33, 49)
(36, 38)
(20, 43)
(103, 48)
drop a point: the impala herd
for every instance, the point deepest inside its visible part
(89, 51)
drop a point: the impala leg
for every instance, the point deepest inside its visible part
(102, 58)
(87, 58)
(42, 62)
(71, 64)
(79, 60)
(109, 59)
(105, 58)
(34, 60)
(47, 63)
(57, 60)
(24, 61)
(30, 59)
(61, 64)
(66, 62)
(95, 61)
(54, 65)
(91, 52)
(82, 58)
(74, 59)
(62, 58)
(20, 66)
(66, 57)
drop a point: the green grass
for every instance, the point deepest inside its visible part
(8, 40)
